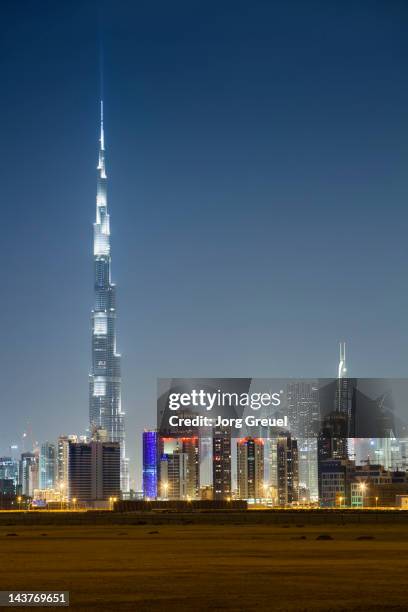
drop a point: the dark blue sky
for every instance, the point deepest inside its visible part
(257, 157)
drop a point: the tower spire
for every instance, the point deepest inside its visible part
(101, 163)
(102, 138)
(342, 371)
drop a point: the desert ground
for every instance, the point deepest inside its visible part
(279, 565)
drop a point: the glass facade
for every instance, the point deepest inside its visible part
(48, 466)
(150, 464)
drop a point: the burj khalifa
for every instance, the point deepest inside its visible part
(105, 410)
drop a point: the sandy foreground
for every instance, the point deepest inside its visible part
(217, 567)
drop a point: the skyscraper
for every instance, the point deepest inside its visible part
(345, 396)
(48, 466)
(191, 447)
(94, 471)
(288, 470)
(29, 473)
(151, 460)
(9, 469)
(221, 463)
(250, 468)
(304, 415)
(174, 475)
(105, 410)
(62, 462)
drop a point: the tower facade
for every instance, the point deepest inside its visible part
(105, 410)
(48, 464)
(288, 470)
(94, 471)
(250, 468)
(221, 463)
(151, 460)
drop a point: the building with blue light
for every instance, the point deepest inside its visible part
(150, 463)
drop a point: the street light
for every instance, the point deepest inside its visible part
(74, 501)
(376, 502)
(341, 500)
(19, 502)
(165, 487)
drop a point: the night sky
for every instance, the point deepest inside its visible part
(257, 156)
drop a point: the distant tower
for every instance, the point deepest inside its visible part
(105, 410)
(345, 395)
(342, 373)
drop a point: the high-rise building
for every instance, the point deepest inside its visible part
(179, 469)
(331, 443)
(29, 473)
(303, 408)
(334, 482)
(250, 468)
(206, 461)
(221, 457)
(7, 487)
(62, 463)
(48, 466)
(9, 469)
(151, 464)
(105, 409)
(288, 470)
(94, 471)
(174, 475)
(304, 416)
(334, 441)
(345, 393)
(191, 447)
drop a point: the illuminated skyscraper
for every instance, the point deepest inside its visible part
(345, 397)
(48, 466)
(304, 415)
(29, 473)
(288, 470)
(250, 468)
(62, 463)
(179, 468)
(9, 469)
(151, 459)
(222, 463)
(174, 475)
(105, 410)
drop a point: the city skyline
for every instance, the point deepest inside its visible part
(214, 276)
